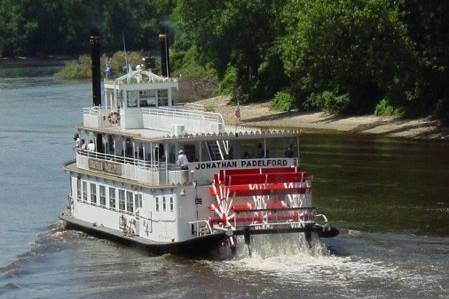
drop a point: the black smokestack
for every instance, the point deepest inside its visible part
(165, 57)
(96, 72)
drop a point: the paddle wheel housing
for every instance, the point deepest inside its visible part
(266, 200)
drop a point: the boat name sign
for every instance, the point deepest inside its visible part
(247, 163)
(109, 167)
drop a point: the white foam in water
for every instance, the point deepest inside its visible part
(289, 258)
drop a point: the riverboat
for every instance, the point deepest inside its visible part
(128, 184)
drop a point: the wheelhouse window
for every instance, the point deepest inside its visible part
(84, 191)
(102, 195)
(93, 193)
(121, 200)
(162, 97)
(171, 204)
(78, 188)
(164, 205)
(112, 198)
(129, 202)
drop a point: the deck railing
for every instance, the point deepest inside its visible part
(119, 159)
(192, 119)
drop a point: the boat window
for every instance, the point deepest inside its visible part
(78, 188)
(162, 97)
(147, 98)
(132, 98)
(120, 99)
(121, 200)
(138, 201)
(84, 191)
(93, 193)
(164, 206)
(102, 195)
(112, 198)
(129, 202)
(171, 204)
(157, 204)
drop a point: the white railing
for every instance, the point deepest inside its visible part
(120, 159)
(193, 120)
(184, 112)
(97, 117)
(201, 228)
(96, 110)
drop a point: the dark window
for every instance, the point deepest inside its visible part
(171, 204)
(85, 191)
(93, 193)
(102, 195)
(112, 198)
(164, 206)
(121, 200)
(78, 188)
(129, 202)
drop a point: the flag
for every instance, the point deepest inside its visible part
(237, 111)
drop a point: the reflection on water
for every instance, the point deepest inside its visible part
(380, 184)
(390, 196)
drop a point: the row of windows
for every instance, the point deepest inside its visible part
(127, 200)
(164, 204)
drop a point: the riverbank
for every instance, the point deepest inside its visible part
(260, 115)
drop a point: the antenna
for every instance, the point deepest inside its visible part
(124, 49)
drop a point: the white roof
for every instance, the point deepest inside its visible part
(142, 79)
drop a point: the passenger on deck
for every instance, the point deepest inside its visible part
(246, 155)
(91, 146)
(77, 140)
(289, 152)
(182, 160)
(260, 153)
(83, 144)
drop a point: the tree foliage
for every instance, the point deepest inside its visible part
(342, 56)
(29, 27)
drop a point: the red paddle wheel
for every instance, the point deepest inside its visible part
(263, 200)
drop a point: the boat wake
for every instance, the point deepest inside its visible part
(289, 260)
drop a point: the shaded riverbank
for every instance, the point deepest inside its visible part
(260, 115)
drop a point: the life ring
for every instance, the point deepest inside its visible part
(114, 118)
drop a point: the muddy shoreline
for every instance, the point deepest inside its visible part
(260, 115)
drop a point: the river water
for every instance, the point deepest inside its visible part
(389, 196)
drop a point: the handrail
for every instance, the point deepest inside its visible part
(95, 110)
(197, 224)
(119, 159)
(183, 112)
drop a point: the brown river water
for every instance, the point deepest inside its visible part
(390, 198)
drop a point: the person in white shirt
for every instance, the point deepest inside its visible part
(77, 139)
(91, 146)
(83, 144)
(182, 160)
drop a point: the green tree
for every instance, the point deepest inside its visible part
(238, 35)
(359, 48)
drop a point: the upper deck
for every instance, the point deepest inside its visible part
(138, 133)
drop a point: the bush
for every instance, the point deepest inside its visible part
(385, 108)
(227, 84)
(76, 69)
(328, 101)
(283, 101)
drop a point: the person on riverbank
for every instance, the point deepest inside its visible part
(182, 160)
